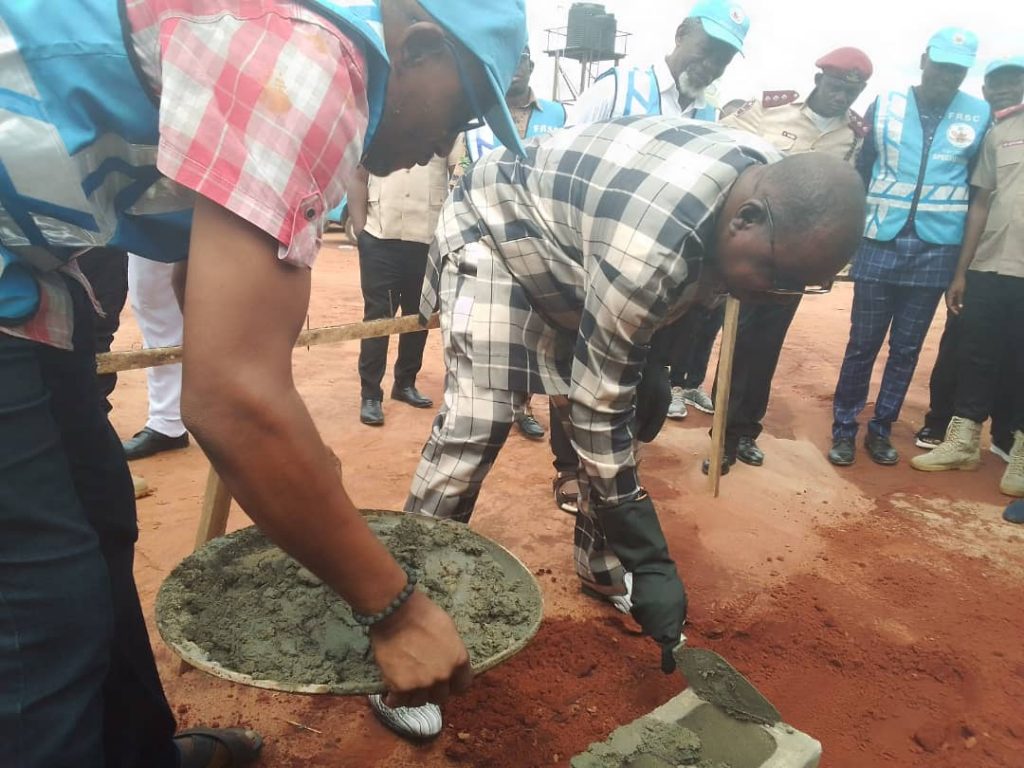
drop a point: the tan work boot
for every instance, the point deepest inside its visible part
(1012, 483)
(960, 450)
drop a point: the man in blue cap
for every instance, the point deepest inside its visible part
(987, 295)
(706, 41)
(221, 130)
(916, 164)
(1003, 88)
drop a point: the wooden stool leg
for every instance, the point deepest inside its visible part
(724, 388)
(216, 505)
(213, 522)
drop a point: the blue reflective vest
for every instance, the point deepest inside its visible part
(934, 186)
(638, 92)
(78, 136)
(549, 116)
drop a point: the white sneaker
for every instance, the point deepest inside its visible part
(410, 722)
(677, 408)
(624, 603)
(699, 399)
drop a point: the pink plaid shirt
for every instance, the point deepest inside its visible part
(263, 110)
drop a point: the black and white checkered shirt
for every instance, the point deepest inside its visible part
(593, 241)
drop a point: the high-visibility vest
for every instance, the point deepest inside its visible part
(79, 133)
(936, 185)
(638, 92)
(547, 117)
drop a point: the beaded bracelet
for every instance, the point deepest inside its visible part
(368, 620)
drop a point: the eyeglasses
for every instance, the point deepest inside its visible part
(780, 285)
(476, 120)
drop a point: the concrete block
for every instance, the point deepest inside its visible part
(724, 741)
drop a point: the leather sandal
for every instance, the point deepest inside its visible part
(218, 747)
(566, 501)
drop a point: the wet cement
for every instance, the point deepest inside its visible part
(254, 610)
(714, 680)
(646, 743)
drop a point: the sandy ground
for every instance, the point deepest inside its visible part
(880, 609)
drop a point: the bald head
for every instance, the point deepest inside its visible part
(793, 223)
(818, 205)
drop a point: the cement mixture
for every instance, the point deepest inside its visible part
(647, 743)
(253, 610)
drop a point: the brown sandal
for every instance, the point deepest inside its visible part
(199, 747)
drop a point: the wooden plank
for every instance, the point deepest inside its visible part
(115, 362)
(722, 391)
(213, 521)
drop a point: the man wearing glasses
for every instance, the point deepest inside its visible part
(220, 130)
(916, 162)
(552, 274)
(823, 123)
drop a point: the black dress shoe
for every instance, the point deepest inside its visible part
(727, 461)
(371, 413)
(412, 396)
(843, 452)
(748, 452)
(529, 426)
(149, 442)
(880, 450)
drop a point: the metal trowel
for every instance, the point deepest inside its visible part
(717, 682)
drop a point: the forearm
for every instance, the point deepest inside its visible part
(266, 449)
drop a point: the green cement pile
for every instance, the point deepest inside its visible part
(254, 610)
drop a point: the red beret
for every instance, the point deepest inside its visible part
(850, 64)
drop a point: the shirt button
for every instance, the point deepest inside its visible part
(310, 214)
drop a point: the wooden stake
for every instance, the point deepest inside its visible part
(722, 391)
(114, 362)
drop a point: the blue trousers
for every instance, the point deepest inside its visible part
(78, 684)
(903, 312)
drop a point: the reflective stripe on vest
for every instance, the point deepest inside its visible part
(941, 204)
(636, 92)
(549, 117)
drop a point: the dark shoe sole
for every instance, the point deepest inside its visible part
(413, 403)
(841, 462)
(146, 453)
(750, 462)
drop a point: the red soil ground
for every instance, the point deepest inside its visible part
(880, 609)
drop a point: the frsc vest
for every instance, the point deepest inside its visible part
(932, 182)
(638, 92)
(548, 117)
(79, 133)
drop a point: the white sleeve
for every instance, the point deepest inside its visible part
(595, 104)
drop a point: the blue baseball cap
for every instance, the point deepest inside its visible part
(494, 31)
(1013, 62)
(953, 45)
(724, 20)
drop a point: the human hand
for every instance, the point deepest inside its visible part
(653, 397)
(659, 598)
(421, 657)
(955, 294)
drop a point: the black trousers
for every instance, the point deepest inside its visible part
(78, 684)
(993, 322)
(762, 331)
(942, 384)
(391, 275)
(107, 270)
(690, 347)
